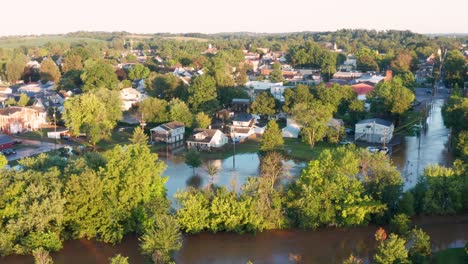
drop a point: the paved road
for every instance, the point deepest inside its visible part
(37, 147)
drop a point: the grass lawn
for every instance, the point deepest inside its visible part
(37, 41)
(297, 149)
(117, 138)
(451, 255)
(39, 135)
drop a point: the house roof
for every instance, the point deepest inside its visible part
(4, 139)
(377, 121)
(362, 88)
(241, 100)
(244, 117)
(10, 110)
(207, 133)
(172, 125)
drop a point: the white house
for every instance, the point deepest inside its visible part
(30, 89)
(5, 90)
(169, 133)
(130, 97)
(278, 92)
(374, 130)
(243, 126)
(262, 86)
(292, 129)
(207, 139)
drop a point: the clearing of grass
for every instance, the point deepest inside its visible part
(38, 41)
(450, 255)
(186, 39)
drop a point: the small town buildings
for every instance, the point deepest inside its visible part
(240, 105)
(362, 89)
(262, 85)
(374, 130)
(347, 75)
(5, 142)
(5, 90)
(130, 97)
(292, 129)
(169, 133)
(207, 139)
(18, 119)
(243, 126)
(30, 89)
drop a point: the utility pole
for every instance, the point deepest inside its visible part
(55, 128)
(384, 137)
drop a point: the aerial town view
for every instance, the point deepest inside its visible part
(234, 132)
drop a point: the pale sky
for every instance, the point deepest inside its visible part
(24, 17)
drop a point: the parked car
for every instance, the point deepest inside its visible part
(17, 141)
(345, 142)
(9, 152)
(384, 150)
(349, 131)
(372, 149)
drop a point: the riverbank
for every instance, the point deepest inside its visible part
(325, 245)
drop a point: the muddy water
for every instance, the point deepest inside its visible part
(419, 151)
(329, 245)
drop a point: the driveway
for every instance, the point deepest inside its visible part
(36, 147)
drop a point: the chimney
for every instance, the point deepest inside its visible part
(388, 75)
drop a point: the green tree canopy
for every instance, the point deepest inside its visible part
(138, 72)
(392, 96)
(49, 71)
(392, 251)
(154, 110)
(314, 117)
(97, 75)
(179, 111)
(272, 138)
(202, 94)
(202, 120)
(264, 104)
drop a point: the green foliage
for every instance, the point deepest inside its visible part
(400, 224)
(118, 259)
(314, 117)
(23, 100)
(272, 138)
(41, 256)
(70, 80)
(138, 72)
(264, 104)
(392, 96)
(202, 120)
(300, 94)
(226, 94)
(93, 114)
(72, 62)
(160, 243)
(49, 71)
(15, 68)
(3, 161)
(202, 94)
(328, 192)
(154, 110)
(455, 68)
(193, 213)
(392, 251)
(139, 136)
(352, 260)
(98, 75)
(420, 246)
(276, 75)
(192, 159)
(165, 87)
(406, 204)
(179, 111)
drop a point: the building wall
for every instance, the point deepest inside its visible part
(373, 133)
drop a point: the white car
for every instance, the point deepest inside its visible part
(375, 150)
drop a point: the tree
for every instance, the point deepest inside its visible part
(118, 259)
(301, 94)
(455, 68)
(193, 212)
(264, 104)
(10, 101)
(165, 86)
(212, 170)
(95, 116)
(272, 137)
(138, 72)
(23, 100)
(328, 192)
(139, 136)
(392, 251)
(160, 243)
(314, 117)
(70, 80)
(192, 159)
(41, 256)
(49, 71)
(72, 62)
(15, 68)
(179, 111)
(353, 260)
(406, 204)
(392, 96)
(3, 161)
(420, 246)
(202, 120)
(97, 75)
(276, 75)
(154, 110)
(328, 64)
(202, 94)
(400, 224)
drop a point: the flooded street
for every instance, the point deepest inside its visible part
(416, 153)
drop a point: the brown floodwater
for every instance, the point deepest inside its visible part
(327, 245)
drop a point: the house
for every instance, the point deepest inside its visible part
(224, 114)
(347, 75)
(374, 130)
(362, 89)
(130, 97)
(292, 129)
(243, 126)
(5, 142)
(169, 133)
(31, 89)
(207, 139)
(18, 119)
(240, 105)
(5, 90)
(262, 85)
